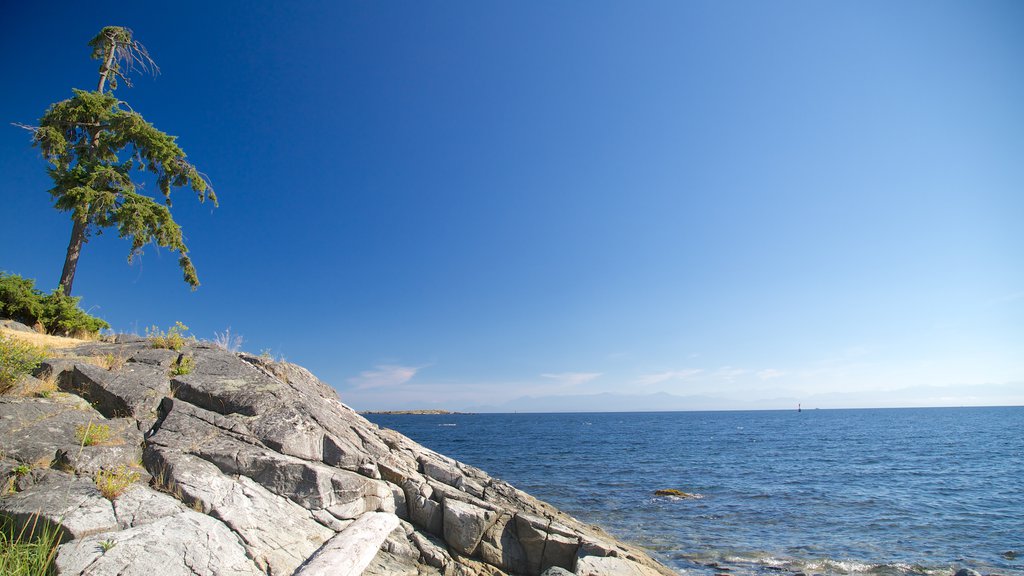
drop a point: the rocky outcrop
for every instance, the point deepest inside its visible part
(247, 466)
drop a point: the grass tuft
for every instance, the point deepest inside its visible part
(31, 551)
(112, 483)
(173, 339)
(93, 434)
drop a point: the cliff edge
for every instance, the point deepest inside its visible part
(207, 462)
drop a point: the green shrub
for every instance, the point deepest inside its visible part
(19, 300)
(17, 358)
(59, 314)
(173, 339)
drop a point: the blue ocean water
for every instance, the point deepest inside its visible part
(888, 492)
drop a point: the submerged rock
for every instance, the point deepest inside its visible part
(256, 467)
(672, 492)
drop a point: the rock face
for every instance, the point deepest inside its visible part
(246, 466)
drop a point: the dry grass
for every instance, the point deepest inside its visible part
(44, 340)
(107, 361)
(112, 483)
(95, 435)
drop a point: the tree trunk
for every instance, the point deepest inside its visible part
(67, 276)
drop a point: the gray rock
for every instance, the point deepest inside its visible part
(312, 485)
(140, 505)
(185, 544)
(280, 466)
(15, 326)
(277, 533)
(556, 571)
(351, 551)
(160, 357)
(134, 390)
(465, 524)
(612, 566)
(57, 498)
(32, 430)
(967, 572)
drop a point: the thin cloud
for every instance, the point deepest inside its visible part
(728, 373)
(659, 377)
(383, 375)
(769, 373)
(569, 379)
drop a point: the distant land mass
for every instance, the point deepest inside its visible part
(418, 412)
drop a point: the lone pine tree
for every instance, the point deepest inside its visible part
(94, 143)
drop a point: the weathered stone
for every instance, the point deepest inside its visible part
(91, 459)
(501, 547)
(278, 534)
(134, 390)
(312, 485)
(32, 430)
(426, 513)
(160, 357)
(15, 326)
(281, 466)
(56, 497)
(532, 535)
(350, 551)
(560, 551)
(140, 504)
(612, 566)
(465, 524)
(967, 572)
(556, 571)
(185, 544)
(388, 564)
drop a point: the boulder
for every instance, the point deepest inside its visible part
(349, 552)
(465, 524)
(612, 566)
(72, 505)
(185, 544)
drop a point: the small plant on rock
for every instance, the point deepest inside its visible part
(226, 341)
(93, 434)
(173, 339)
(112, 483)
(21, 470)
(114, 361)
(17, 358)
(106, 545)
(183, 366)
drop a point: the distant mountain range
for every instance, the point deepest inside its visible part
(973, 395)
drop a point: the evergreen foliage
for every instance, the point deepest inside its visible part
(95, 143)
(57, 313)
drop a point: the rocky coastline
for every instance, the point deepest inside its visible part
(218, 463)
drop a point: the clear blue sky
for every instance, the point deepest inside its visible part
(458, 204)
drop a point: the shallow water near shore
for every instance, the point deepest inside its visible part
(887, 492)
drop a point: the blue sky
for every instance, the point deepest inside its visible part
(497, 204)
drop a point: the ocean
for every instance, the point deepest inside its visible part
(888, 492)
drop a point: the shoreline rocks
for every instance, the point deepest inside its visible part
(248, 466)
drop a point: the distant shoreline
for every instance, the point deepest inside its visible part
(413, 412)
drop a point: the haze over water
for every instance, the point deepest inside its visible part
(886, 491)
